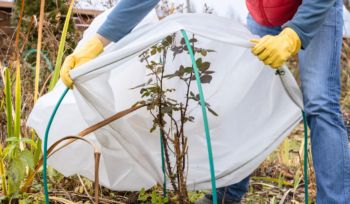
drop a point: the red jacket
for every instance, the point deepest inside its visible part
(272, 12)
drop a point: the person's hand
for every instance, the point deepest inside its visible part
(275, 50)
(89, 51)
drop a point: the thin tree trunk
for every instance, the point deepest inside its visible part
(189, 9)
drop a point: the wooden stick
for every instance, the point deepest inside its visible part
(25, 39)
(38, 52)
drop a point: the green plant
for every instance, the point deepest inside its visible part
(273, 200)
(54, 80)
(16, 159)
(160, 105)
(144, 197)
(193, 195)
(280, 180)
(297, 179)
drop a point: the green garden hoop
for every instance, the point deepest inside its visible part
(25, 55)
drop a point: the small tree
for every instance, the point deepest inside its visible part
(160, 105)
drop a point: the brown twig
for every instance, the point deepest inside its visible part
(85, 189)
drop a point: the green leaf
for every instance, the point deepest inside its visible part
(182, 42)
(56, 73)
(206, 79)
(204, 53)
(192, 196)
(16, 172)
(273, 200)
(28, 158)
(3, 197)
(188, 70)
(11, 149)
(169, 39)
(166, 200)
(5, 152)
(169, 76)
(193, 40)
(154, 197)
(12, 139)
(208, 72)
(165, 44)
(280, 180)
(152, 89)
(296, 179)
(135, 104)
(191, 93)
(142, 191)
(154, 51)
(177, 50)
(152, 129)
(17, 121)
(204, 66)
(17, 196)
(160, 200)
(199, 62)
(212, 112)
(8, 102)
(167, 109)
(272, 179)
(29, 141)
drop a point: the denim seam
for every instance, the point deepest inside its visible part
(331, 77)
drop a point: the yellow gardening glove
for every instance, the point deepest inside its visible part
(89, 51)
(275, 50)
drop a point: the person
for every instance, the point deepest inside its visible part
(311, 28)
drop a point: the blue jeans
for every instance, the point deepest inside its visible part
(320, 81)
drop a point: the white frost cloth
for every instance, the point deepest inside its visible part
(254, 105)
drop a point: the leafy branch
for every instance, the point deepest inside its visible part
(161, 106)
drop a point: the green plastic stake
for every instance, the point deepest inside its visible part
(305, 159)
(45, 144)
(205, 119)
(162, 151)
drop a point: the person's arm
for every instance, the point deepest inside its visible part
(123, 19)
(120, 22)
(309, 19)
